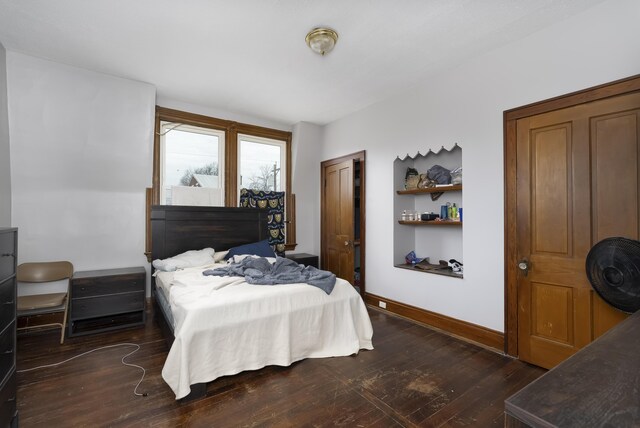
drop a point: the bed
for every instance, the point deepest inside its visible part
(220, 326)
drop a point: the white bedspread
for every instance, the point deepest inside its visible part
(224, 326)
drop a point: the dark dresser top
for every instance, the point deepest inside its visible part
(108, 272)
(597, 387)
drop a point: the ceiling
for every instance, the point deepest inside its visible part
(250, 57)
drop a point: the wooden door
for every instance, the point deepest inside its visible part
(577, 183)
(338, 219)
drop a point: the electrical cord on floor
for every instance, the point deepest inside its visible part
(135, 390)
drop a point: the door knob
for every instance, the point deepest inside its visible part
(523, 265)
(347, 243)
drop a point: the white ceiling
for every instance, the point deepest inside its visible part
(250, 57)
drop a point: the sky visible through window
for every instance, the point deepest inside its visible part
(257, 160)
(187, 150)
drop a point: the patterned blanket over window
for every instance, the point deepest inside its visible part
(274, 203)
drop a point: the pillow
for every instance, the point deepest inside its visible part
(187, 259)
(239, 258)
(260, 248)
(220, 256)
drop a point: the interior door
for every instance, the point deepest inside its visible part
(338, 219)
(577, 183)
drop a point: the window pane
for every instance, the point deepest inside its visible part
(261, 165)
(192, 171)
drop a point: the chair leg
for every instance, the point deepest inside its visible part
(64, 319)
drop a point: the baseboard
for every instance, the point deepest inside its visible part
(465, 330)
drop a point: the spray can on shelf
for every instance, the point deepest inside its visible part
(444, 212)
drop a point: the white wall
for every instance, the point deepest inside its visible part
(81, 154)
(305, 177)
(465, 105)
(5, 163)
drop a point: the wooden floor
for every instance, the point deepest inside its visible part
(415, 376)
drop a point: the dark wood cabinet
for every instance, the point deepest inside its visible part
(8, 384)
(103, 300)
(304, 259)
(596, 387)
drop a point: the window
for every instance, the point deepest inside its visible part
(261, 163)
(201, 160)
(192, 165)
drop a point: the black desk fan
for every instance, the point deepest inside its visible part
(613, 269)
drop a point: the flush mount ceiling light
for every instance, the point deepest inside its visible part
(321, 40)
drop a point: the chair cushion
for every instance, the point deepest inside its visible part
(41, 301)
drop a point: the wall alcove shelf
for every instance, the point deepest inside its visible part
(449, 188)
(430, 223)
(434, 269)
(439, 240)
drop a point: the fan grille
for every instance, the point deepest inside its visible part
(613, 269)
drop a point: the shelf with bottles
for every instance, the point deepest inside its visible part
(431, 222)
(450, 215)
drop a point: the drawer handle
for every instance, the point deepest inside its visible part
(10, 351)
(9, 303)
(8, 255)
(11, 399)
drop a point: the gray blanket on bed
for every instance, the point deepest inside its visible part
(284, 271)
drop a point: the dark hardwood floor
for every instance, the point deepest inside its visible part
(415, 376)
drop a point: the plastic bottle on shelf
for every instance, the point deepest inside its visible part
(404, 215)
(454, 212)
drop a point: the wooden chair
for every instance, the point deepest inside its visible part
(45, 303)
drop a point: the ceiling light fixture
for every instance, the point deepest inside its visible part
(321, 40)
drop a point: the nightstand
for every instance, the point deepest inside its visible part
(104, 300)
(304, 259)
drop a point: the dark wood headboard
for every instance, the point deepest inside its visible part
(176, 229)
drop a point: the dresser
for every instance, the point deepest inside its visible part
(8, 383)
(596, 387)
(304, 259)
(104, 300)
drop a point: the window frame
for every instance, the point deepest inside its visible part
(230, 167)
